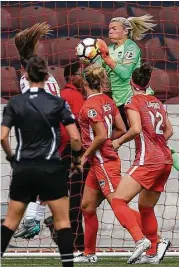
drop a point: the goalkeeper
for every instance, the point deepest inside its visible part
(123, 56)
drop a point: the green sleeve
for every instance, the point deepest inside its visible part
(125, 69)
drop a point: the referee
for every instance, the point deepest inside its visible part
(37, 168)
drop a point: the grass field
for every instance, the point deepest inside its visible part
(102, 262)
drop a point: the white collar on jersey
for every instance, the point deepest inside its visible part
(94, 95)
(34, 89)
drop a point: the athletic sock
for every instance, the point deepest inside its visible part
(6, 235)
(149, 224)
(65, 245)
(127, 218)
(40, 212)
(31, 211)
(91, 229)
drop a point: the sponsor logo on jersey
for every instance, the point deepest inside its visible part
(102, 183)
(154, 105)
(92, 113)
(129, 55)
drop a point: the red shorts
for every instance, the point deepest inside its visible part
(151, 177)
(104, 177)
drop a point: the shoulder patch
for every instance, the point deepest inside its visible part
(92, 113)
(129, 54)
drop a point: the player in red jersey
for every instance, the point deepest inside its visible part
(150, 128)
(97, 117)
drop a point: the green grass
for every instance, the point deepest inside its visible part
(102, 262)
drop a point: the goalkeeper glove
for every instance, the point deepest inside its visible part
(103, 48)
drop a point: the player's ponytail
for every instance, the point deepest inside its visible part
(26, 40)
(141, 76)
(96, 77)
(137, 26)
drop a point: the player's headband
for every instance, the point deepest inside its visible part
(138, 87)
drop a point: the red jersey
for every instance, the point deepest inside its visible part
(75, 100)
(98, 108)
(151, 147)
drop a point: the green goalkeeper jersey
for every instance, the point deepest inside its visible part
(127, 57)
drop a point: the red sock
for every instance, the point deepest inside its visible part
(138, 218)
(126, 218)
(150, 226)
(91, 229)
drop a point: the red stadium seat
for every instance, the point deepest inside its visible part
(6, 21)
(174, 82)
(82, 18)
(58, 74)
(4, 101)
(155, 52)
(160, 84)
(11, 51)
(10, 83)
(14, 11)
(173, 100)
(30, 15)
(63, 50)
(169, 19)
(173, 48)
(3, 52)
(120, 12)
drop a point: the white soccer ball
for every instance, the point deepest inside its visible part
(87, 50)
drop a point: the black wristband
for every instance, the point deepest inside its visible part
(77, 153)
(77, 163)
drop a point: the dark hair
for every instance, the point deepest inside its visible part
(70, 70)
(141, 76)
(26, 40)
(37, 69)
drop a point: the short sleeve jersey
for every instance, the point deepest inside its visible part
(151, 147)
(98, 108)
(51, 86)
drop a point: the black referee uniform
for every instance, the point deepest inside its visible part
(37, 170)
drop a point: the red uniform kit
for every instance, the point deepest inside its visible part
(153, 160)
(105, 172)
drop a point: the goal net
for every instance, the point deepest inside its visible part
(72, 21)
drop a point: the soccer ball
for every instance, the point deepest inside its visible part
(87, 50)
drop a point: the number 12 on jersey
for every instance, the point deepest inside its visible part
(157, 124)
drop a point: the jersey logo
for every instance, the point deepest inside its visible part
(92, 113)
(129, 55)
(102, 183)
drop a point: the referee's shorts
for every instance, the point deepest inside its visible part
(30, 178)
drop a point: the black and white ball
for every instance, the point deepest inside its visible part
(87, 50)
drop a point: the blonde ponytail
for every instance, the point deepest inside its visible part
(140, 25)
(137, 26)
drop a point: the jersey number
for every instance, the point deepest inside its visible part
(108, 120)
(157, 126)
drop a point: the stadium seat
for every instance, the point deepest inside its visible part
(58, 74)
(174, 82)
(10, 83)
(3, 101)
(14, 11)
(160, 84)
(11, 51)
(169, 20)
(154, 51)
(30, 15)
(172, 46)
(120, 12)
(173, 100)
(63, 50)
(86, 21)
(6, 21)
